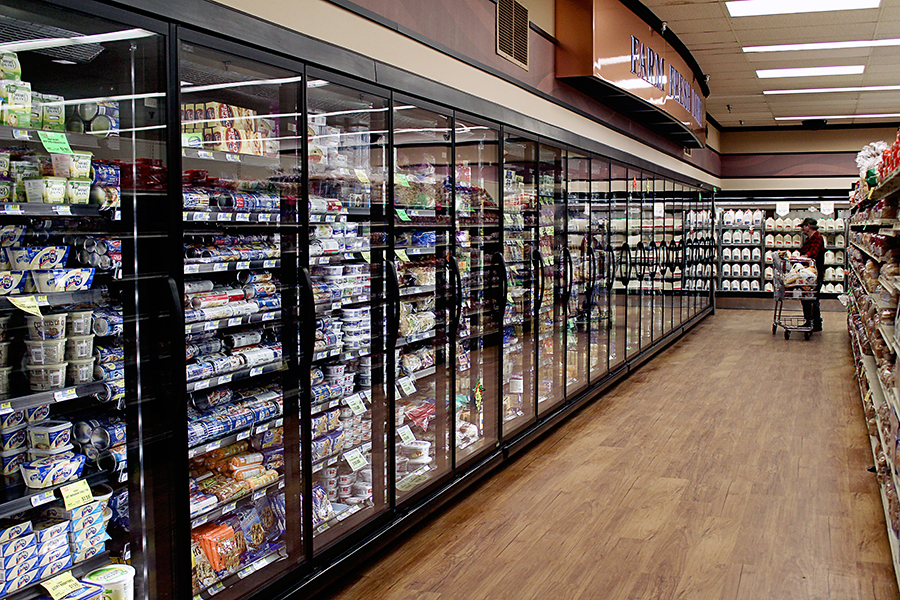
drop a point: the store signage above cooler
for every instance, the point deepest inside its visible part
(611, 54)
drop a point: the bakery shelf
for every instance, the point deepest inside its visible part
(867, 252)
(230, 580)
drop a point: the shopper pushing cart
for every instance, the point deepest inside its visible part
(795, 279)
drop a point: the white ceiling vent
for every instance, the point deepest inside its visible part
(512, 32)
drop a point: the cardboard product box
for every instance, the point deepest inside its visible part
(11, 529)
(11, 560)
(17, 545)
(58, 511)
(48, 529)
(192, 139)
(19, 582)
(37, 107)
(20, 569)
(52, 545)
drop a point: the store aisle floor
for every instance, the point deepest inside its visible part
(732, 466)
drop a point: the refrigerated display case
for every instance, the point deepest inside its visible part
(618, 251)
(419, 347)
(581, 319)
(601, 269)
(477, 324)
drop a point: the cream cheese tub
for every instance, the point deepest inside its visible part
(117, 581)
(48, 190)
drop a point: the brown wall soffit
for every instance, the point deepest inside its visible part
(736, 166)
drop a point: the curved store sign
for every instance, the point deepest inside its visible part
(611, 54)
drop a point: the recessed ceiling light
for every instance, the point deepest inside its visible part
(824, 46)
(810, 71)
(63, 61)
(878, 116)
(755, 8)
(862, 88)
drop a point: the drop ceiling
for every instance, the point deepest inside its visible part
(716, 40)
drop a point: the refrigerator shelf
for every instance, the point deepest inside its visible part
(93, 296)
(412, 250)
(414, 479)
(334, 458)
(219, 216)
(422, 373)
(327, 218)
(231, 266)
(261, 317)
(50, 397)
(325, 307)
(416, 290)
(337, 517)
(230, 580)
(78, 570)
(415, 337)
(20, 498)
(235, 436)
(230, 157)
(34, 209)
(223, 508)
(364, 395)
(81, 140)
(245, 373)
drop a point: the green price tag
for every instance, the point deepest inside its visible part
(401, 179)
(406, 434)
(55, 142)
(401, 254)
(355, 459)
(401, 214)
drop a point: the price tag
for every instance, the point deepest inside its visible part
(242, 217)
(367, 394)
(189, 269)
(201, 216)
(782, 208)
(259, 494)
(234, 321)
(401, 254)
(5, 408)
(366, 256)
(355, 459)
(279, 422)
(205, 154)
(263, 218)
(262, 428)
(213, 446)
(200, 521)
(219, 267)
(230, 507)
(76, 494)
(42, 498)
(244, 264)
(406, 434)
(408, 386)
(401, 214)
(356, 405)
(232, 157)
(826, 208)
(268, 264)
(210, 325)
(201, 385)
(217, 588)
(55, 142)
(243, 435)
(13, 209)
(63, 395)
(26, 303)
(123, 476)
(63, 210)
(516, 386)
(42, 300)
(62, 585)
(223, 216)
(23, 135)
(225, 379)
(361, 175)
(256, 371)
(401, 179)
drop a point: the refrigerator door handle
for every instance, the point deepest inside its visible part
(538, 260)
(458, 300)
(569, 273)
(307, 301)
(498, 263)
(591, 275)
(610, 267)
(654, 259)
(625, 264)
(393, 300)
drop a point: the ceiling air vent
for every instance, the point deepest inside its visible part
(512, 32)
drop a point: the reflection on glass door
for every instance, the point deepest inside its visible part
(645, 261)
(618, 265)
(578, 272)
(346, 144)
(241, 179)
(552, 289)
(478, 331)
(520, 241)
(599, 256)
(635, 268)
(420, 346)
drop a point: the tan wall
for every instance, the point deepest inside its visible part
(827, 140)
(542, 13)
(713, 137)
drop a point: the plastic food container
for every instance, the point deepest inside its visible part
(4, 353)
(50, 435)
(45, 352)
(117, 581)
(48, 327)
(102, 493)
(12, 438)
(62, 280)
(79, 347)
(416, 449)
(67, 451)
(10, 461)
(12, 419)
(49, 190)
(46, 377)
(4, 380)
(36, 414)
(12, 282)
(80, 371)
(4, 324)
(45, 472)
(79, 322)
(31, 258)
(78, 191)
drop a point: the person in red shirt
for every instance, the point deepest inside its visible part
(814, 248)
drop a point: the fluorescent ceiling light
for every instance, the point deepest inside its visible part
(115, 36)
(879, 116)
(824, 46)
(810, 71)
(755, 8)
(862, 88)
(231, 84)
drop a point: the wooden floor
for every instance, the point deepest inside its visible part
(732, 466)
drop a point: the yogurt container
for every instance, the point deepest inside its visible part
(52, 544)
(10, 461)
(80, 371)
(83, 544)
(46, 377)
(49, 529)
(36, 414)
(62, 280)
(78, 191)
(59, 512)
(65, 451)
(12, 438)
(45, 352)
(50, 435)
(12, 419)
(55, 567)
(79, 322)
(53, 555)
(11, 529)
(102, 493)
(12, 282)
(19, 582)
(20, 569)
(32, 258)
(4, 353)
(83, 555)
(46, 472)
(48, 327)
(4, 380)
(49, 190)
(16, 545)
(16, 558)
(79, 347)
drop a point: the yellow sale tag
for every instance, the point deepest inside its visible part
(27, 303)
(76, 494)
(361, 175)
(401, 254)
(62, 585)
(366, 257)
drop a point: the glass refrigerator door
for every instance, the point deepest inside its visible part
(618, 254)
(679, 256)
(578, 273)
(347, 150)
(240, 179)
(478, 330)
(600, 257)
(645, 262)
(668, 279)
(75, 125)
(633, 273)
(656, 256)
(420, 292)
(519, 242)
(552, 281)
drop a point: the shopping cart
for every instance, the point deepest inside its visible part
(792, 282)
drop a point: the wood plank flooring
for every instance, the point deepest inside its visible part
(732, 466)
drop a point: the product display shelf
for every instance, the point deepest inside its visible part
(78, 570)
(85, 390)
(232, 504)
(341, 512)
(415, 337)
(233, 437)
(238, 265)
(18, 499)
(35, 209)
(889, 186)
(333, 459)
(260, 317)
(227, 378)
(78, 140)
(52, 299)
(221, 216)
(867, 252)
(230, 580)
(250, 160)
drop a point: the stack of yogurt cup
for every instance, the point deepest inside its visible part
(14, 440)
(59, 350)
(4, 354)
